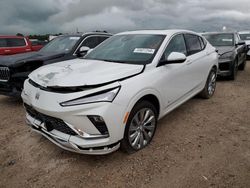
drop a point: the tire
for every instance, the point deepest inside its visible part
(210, 86)
(242, 66)
(234, 70)
(137, 134)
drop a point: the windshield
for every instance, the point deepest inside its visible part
(220, 39)
(61, 44)
(133, 49)
(245, 36)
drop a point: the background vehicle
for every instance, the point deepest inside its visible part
(37, 44)
(16, 68)
(116, 94)
(14, 45)
(232, 52)
(245, 36)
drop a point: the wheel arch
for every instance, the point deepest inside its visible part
(149, 95)
(152, 99)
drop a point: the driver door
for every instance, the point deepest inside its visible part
(174, 80)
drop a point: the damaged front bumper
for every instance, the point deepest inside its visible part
(63, 140)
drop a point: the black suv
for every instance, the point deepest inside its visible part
(232, 52)
(14, 69)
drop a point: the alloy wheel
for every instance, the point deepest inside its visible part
(142, 128)
(212, 84)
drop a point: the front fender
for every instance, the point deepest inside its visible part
(140, 95)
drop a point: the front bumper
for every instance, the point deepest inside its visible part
(64, 142)
(225, 67)
(8, 89)
(76, 118)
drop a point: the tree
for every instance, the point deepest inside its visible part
(19, 34)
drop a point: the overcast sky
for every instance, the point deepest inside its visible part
(54, 16)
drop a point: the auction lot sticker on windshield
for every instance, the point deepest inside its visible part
(144, 50)
(74, 38)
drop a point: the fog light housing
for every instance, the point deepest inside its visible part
(99, 123)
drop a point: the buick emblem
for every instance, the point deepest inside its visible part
(37, 96)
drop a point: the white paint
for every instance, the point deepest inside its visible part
(172, 84)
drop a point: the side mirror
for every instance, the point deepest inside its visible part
(83, 50)
(175, 58)
(241, 42)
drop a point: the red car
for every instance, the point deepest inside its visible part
(37, 44)
(16, 44)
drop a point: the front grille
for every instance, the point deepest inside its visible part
(4, 74)
(224, 66)
(51, 123)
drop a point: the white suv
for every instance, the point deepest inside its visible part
(114, 96)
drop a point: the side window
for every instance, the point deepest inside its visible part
(3, 43)
(16, 42)
(91, 42)
(193, 44)
(102, 38)
(177, 44)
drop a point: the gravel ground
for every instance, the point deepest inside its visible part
(203, 143)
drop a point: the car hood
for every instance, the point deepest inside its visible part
(82, 72)
(19, 59)
(224, 49)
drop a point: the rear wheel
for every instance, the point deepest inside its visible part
(140, 127)
(210, 86)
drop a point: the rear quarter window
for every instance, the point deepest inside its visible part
(203, 43)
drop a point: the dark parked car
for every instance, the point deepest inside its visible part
(232, 52)
(245, 36)
(15, 69)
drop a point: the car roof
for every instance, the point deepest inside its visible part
(244, 32)
(11, 36)
(214, 33)
(84, 34)
(157, 32)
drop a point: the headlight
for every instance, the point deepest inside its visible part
(102, 96)
(226, 55)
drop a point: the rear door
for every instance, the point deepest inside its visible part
(197, 61)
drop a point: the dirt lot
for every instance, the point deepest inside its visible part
(204, 143)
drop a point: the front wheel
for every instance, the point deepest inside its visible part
(234, 71)
(242, 66)
(210, 86)
(140, 127)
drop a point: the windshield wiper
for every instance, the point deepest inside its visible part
(114, 61)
